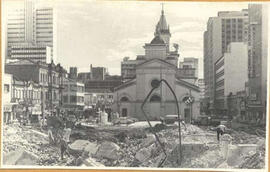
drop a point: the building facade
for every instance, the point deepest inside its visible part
(257, 62)
(73, 94)
(49, 77)
(157, 63)
(36, 53)
(201, 85)
(73, 73)
(227, 27)
(98, 73)
(230, 75)
(8, 115)
(31, 25)
(128, 68)
(188, 70)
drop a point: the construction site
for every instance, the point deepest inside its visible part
(136, 145)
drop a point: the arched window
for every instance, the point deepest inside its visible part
(155, 98)
(124, 99)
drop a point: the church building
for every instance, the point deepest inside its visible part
(159, 62)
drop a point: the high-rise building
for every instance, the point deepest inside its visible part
(45, 28)
(201, 85)
(227, 27)
(230, 75)
(31, 25)
(257, 61)
(36, 53)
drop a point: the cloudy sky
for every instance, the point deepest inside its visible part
(103, 32)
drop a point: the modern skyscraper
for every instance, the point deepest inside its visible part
(37, 53)
(257, 61)
(227, 27)
(33, 26)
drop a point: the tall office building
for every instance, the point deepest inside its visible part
(227, 27)
(257, 61)
(32, 26)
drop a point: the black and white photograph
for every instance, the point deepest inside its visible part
(89, 84)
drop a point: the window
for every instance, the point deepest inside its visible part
(124, 99)
(110, 96)
(73, 99)
(155, 98)
(65, 99)
(6, 88)
(124, 112)
(155, 83)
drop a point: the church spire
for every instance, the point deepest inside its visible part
(162, 11)
(162, 26)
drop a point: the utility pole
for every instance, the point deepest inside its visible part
(190, 105)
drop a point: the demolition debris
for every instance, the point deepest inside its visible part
(134, 146)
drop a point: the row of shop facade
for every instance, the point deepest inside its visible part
(33, 90)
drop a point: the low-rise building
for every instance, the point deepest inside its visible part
(7, 97)
(188, 70)
(49, 77)
(73, 94)
(98, 73)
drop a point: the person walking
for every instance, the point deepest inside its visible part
(220, 130)
(64, 141)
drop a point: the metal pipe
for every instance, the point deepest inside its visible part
(179, 158)
(179, 124)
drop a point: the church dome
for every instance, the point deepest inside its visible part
(157, 40)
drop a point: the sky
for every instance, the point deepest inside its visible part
(102, 33)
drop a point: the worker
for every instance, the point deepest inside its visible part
(184, 124)
(64, 141)
(220, 130)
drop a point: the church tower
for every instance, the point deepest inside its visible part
(163, 30)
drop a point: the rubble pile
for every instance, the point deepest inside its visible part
(257, 160)
(30, 144)
(137, 147)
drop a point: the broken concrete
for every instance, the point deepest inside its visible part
(237, 153)
(143, 154)
(78, 146)
(90, 149)
(108, 150)
(148, 140)
(20, 157)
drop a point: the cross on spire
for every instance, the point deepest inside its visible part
(162, 11)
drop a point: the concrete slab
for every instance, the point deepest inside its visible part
(237, 153)
(20, 157)
(108, 150)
